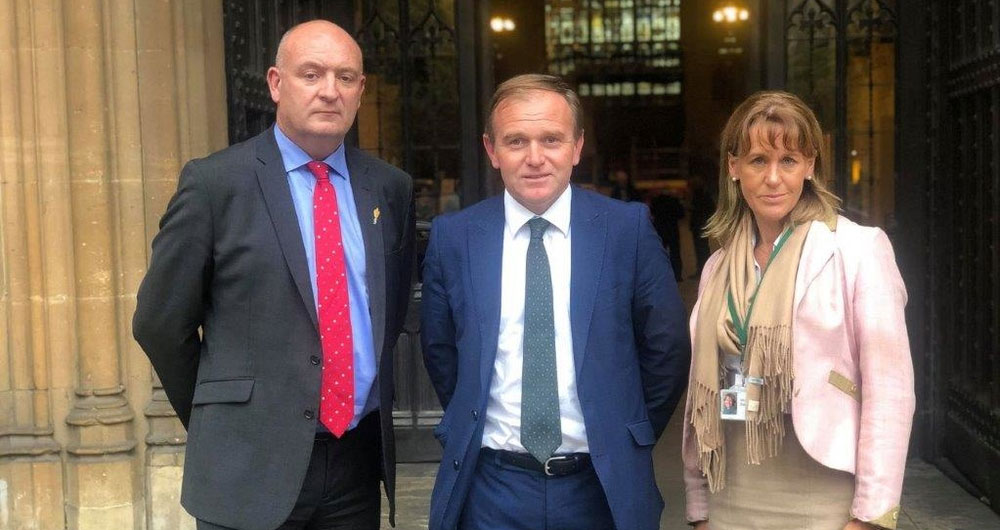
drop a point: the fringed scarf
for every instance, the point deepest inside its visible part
(768, 349)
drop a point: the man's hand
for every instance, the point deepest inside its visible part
(701, 525)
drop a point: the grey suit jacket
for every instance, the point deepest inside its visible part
(227, 318)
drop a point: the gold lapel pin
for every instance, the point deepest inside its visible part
(375, 214)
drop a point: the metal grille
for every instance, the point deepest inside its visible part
(965, 210)
(970, 290)
(253, 29)
(841, 60)
(411, 59)
(811, 38)
(412, 120)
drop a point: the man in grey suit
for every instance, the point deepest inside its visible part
(275, 293)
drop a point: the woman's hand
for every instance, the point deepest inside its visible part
(855, 524)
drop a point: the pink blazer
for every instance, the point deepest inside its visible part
(853, 400)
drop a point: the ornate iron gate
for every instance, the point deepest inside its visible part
(840, 58)
(964, 265)
(253, 28)
(420, 112)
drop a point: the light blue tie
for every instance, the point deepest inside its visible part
(541, 433)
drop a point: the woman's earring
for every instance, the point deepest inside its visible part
(734, 178)
(809, 177)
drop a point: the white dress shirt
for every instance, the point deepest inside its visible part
(502, 429)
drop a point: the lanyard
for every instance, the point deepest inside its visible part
(742, 324)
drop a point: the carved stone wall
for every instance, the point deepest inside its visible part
(103, 101)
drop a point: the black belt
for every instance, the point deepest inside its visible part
(555, 466)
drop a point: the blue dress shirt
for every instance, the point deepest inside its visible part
(301, 183)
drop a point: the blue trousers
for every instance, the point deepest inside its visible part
(507, 497)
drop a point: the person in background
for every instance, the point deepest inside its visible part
(800, 312)
(621, 187)
(702, 207)
(667, 212)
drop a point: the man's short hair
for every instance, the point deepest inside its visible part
(519, 86)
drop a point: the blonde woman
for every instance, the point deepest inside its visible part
(800, 317)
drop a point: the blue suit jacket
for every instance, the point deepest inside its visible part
(630, 345)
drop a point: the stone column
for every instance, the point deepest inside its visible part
(130, 232)
(162, 159)
(100, 490)
(103, 101)
(30, 469)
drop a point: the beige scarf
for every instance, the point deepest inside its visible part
(768, 349)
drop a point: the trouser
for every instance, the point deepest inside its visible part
(341, 487)
(508, 497)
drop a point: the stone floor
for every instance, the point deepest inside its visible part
(931, 501)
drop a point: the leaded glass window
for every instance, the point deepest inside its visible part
(616, 48)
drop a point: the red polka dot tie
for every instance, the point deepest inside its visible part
(336, 407)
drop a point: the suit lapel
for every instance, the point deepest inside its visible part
(485, 241)
(274, 185)
(588, 226)
(366, 187)
(817, 251)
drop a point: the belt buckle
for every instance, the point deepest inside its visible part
(549, 460)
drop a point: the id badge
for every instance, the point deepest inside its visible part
(733, 403)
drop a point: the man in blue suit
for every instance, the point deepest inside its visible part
(553, 334)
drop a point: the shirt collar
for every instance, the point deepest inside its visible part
(753, 244)
(517, 215)
(753, 237)
(294, 157)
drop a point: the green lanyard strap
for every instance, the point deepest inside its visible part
(742, 325)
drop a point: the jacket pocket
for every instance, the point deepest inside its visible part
(642, 432)
(223, 391)
(845, 385)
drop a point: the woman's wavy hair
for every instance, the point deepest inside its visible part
(770, 115)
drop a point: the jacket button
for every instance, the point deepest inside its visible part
(475, 415)
(314, 360)
(454, 464)
(308, 415)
